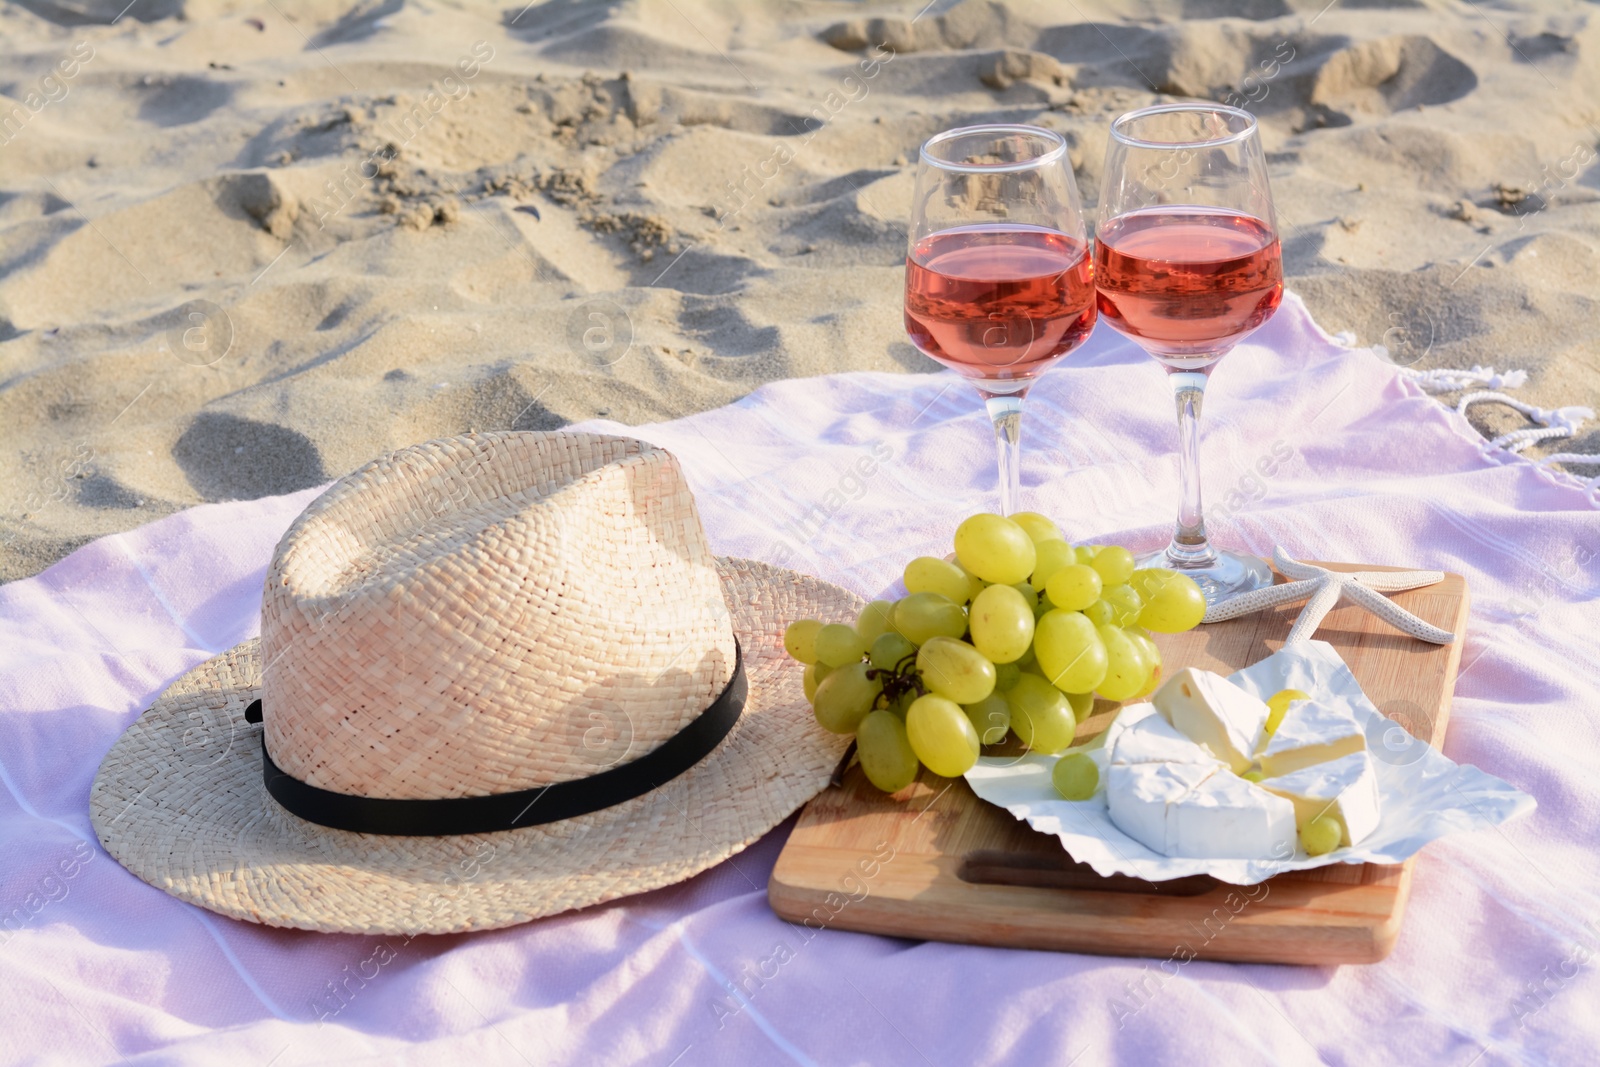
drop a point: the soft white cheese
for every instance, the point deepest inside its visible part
(1127, 717)
(1140, 795)
(1346, 788)
(1152, 739)
(1311, 733)
(1214, 712)
(1226, 817)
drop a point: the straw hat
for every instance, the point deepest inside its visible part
(497, 630)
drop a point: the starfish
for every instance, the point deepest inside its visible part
(1323, 588)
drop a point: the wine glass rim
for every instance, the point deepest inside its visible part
(1056, 152)
(1164, 109)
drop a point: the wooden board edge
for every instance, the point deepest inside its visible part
(1452, 666)
(1360, 925)
(1347, 943)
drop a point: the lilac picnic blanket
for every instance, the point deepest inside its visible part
(1309, 444)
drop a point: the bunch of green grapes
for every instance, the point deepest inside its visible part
(1014, 631)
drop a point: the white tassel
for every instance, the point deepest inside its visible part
(1448, 380)
(1559, 422)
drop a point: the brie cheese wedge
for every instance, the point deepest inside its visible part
(1345, 788)
(1127, 717)
(1214, 712)
(1152, 739)
(1172, 771)
(1199, 809)
(1140, 797)
(1311, 733)
(1226, 817)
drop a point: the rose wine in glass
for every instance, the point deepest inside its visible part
(965, 286)
(999, 280)
(1187, 265)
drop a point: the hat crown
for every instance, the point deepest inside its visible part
(490, 613)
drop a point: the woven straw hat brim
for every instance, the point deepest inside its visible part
(180, 802)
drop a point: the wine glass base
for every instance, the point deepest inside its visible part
(1230, 574)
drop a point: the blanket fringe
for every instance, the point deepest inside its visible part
(1486, 384)
(1553, 422)
(1451, 380)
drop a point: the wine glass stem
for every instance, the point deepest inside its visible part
(1189, 546)
(1006, 413)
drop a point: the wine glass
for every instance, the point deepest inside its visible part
(1187, 264)
(999, 282)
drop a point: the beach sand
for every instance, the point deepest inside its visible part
(245, 248)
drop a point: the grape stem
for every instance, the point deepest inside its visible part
(837, 778)
(903, 679)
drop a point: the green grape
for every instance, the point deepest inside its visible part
(1040, 714)
(837, 644)
(820, 670)
(800, 639)
(1114, 563)
(1029, 594)
(885, 752)
(942, 736)
(844, 697)
(1138, 648)
(975, 585)
(929, 574)
(955, 670)
(991, 717)
(1176, 605)
(1126, 670)
(1125, 604)
(1146, 580)
(1005, 676)
(1071, 655)
(1074, 587)
(1002, 624)
(1321, 835)
(875, 619)
(1082, 705)
(924, 615)
(1029, 659)
(1038, 527)
(1278, 706)
(1146, 644)
(1252, 776)
(995, 549)
(1152, 656)
(1049, 557)
(810, 681)
(1100, 613)
(889, 649)
(1075, 776)
(1044, 608)
(1086, 553)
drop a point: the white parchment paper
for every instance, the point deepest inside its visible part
(1425, 794)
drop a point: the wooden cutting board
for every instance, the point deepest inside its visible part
(935, 862)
